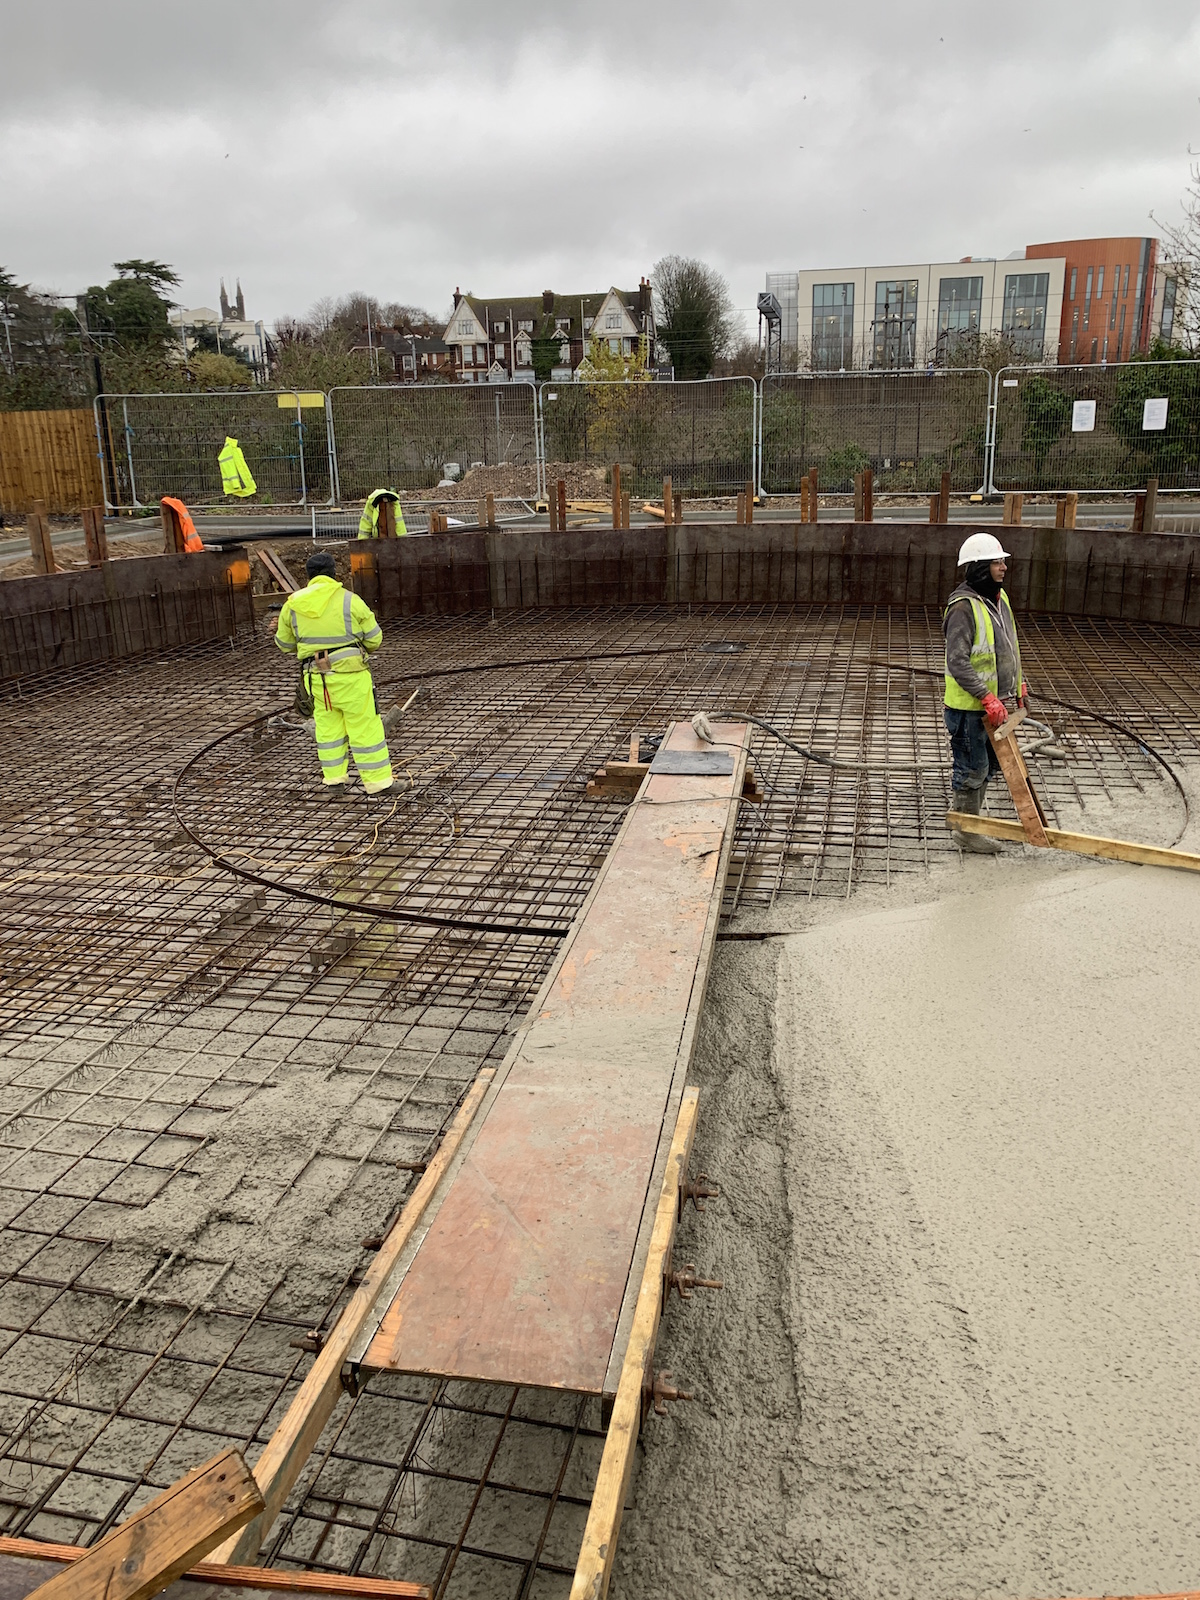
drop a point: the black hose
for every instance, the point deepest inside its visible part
(547, 930)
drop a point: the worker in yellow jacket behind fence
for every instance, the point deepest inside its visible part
(332, 632)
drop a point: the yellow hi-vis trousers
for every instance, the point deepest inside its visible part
(348, 724)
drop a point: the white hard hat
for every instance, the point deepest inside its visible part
(981, 547)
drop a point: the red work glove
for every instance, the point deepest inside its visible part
(994, 711)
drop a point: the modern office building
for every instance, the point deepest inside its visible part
(914, 315)
(1119, 297)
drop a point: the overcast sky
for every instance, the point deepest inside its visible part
(402, 148)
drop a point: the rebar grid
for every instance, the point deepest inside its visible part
(213, 1093)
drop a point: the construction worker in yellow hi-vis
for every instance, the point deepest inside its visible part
(332, 632)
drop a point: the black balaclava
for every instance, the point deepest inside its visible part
(321, 565)
(979, 577)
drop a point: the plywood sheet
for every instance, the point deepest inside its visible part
(522, 1274)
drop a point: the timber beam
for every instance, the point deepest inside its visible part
(1084, 844)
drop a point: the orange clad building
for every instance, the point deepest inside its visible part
(1114, 297)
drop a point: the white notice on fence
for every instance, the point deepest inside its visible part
(1154, 416)
(1083, 416)
(1008, 383)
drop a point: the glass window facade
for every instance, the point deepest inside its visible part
(960, 312)
(833, 326)
(895, 327)
(1025, 297)
(1167, 327)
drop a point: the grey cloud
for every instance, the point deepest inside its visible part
(406, 148)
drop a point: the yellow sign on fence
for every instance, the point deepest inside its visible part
(288, 402)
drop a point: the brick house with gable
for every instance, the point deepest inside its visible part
(491, 340)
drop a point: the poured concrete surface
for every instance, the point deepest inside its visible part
(962, 1199)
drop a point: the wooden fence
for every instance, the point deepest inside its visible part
(48, 456)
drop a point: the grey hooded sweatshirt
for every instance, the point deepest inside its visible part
(959, 628)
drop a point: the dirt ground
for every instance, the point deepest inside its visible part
(956, 1131)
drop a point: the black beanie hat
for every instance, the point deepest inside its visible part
(321, 565)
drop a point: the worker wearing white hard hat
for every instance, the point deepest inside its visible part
(983, 671)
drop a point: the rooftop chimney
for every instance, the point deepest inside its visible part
(547, 299)
(457, 297)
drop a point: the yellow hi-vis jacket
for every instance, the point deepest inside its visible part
(327, 617)
(368, 523)
(236, 477)
(983, 654)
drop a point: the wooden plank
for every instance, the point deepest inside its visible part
(94, 536)
(289, 1447)
(273, 562)
(386, 526)
(1150, 509)
(1013, 506)
(1084, 844)
(668, 508)
(271, 1579)
(1007, 729)
(525, 1269)
(859, 500)
(1016, 775)
(616, 494)
(749, 497)
(868, 495)
(162, 1540)
(812, 494)
(40, 547)
(598, 1550)
(944, 499)
(561, 498)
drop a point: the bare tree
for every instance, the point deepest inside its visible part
(1181, 251)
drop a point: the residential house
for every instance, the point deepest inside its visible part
(491, 340)
(416, 359)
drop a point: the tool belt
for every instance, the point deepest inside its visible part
(303, 703)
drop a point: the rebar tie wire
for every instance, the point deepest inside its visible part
(555, 930)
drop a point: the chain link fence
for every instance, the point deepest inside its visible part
(699, 434)
(1097, 427)
(404, 437)
(1048, 429)
(160, 444)
(908, 427)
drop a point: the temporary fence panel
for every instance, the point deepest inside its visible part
(908, 427)
(48, 456)
(699, 434)
(403, 436)
(1098, 427)
(169, 444)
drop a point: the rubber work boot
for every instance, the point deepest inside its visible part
(337, 791)
(970, 801)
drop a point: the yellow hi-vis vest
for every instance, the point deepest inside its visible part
(326, 617)
(236, 477)
(983, 655)
(368, 523)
